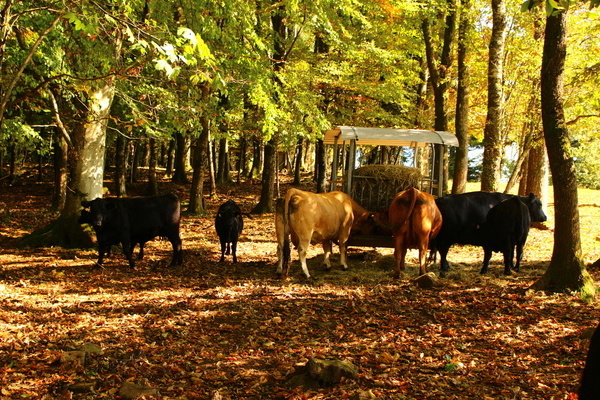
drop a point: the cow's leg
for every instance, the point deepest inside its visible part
(519, 257)
(487, 255)
(102, 250)
(509, 253)
(327, 249)
(344, 255)
(223, 250)
(279, 256)
(399, 255)
(444, 266)
(128, 251)
(175, 240)
(423, 258)
(234, 249)
(302, 248)
(141, 253)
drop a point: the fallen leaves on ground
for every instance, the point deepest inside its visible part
(235, 331)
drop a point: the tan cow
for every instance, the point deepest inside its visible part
(415, 220)
(310, 218)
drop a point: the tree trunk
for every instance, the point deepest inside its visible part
(298, 162)
(152, 164)
(86, 174)
(61, 151)
(461, 156)
(242, 169)
(320, 166)
(492, 153)
(439, 78)
(520, 164)
(121, 160)
(196, 205)
(211, 166)
(135, 157)
(267, 193)
(223, 176)
(12, 162)
(171, 157)
(181, 159)
(536, 170)
(257, 152)
(566, 270)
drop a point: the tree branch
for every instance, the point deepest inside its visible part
(25, 62)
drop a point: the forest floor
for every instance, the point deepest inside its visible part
(235, 331)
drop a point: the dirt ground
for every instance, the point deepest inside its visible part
(236, 331)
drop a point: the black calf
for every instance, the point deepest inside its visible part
(229, 224)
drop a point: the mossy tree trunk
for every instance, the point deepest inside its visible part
(566, 271)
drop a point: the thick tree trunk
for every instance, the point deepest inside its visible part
(566, 270)
(86, 174)
(461, 160)
(492, 154)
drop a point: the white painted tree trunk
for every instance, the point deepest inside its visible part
(89, 145)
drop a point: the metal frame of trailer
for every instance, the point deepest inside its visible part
(346, 141)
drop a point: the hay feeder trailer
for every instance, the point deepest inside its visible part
(374, 186)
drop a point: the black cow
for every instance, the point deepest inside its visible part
(229, 224)
(462, 214)
(506, 226)
(590, 378)
(133, 220)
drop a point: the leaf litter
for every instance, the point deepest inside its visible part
(235, 331)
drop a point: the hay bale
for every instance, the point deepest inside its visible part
(374, 186)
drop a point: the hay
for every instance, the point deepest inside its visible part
(374, 186)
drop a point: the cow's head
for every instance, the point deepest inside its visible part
(534, 205)
(95, 211)
(372, 224)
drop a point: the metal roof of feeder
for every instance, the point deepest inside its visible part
(389, 136)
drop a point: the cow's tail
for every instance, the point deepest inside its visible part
(411, 207)
(282, 229)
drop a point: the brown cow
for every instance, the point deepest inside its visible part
(414, 219)
(311, 218)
